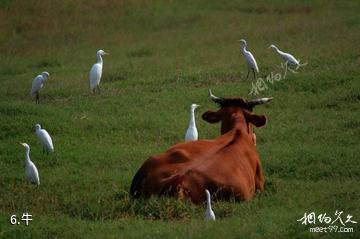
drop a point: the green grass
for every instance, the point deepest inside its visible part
(164, 56)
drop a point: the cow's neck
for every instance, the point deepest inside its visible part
(226, 127)
(236, 123)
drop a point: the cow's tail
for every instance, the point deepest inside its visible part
(135, 189)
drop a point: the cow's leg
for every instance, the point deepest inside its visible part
(136, 188)
(191, 185)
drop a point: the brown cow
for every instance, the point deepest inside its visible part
(227, 166)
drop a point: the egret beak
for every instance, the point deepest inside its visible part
(105, 53)
(23, 144)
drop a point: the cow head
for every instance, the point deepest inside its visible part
(235, 112)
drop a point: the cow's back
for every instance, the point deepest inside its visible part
(226, 166)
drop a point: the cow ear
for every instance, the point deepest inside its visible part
(257, 120)
(211, 117)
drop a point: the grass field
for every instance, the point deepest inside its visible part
(165, 55)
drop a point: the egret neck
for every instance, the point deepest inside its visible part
(99, 59)
(192, 123)
(27, 155)
(243, 47)
(277, 50)
(208, 202)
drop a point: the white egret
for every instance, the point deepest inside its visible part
(31, 171)
(96, 71)
(290, 60)
(44, 138)
(209, 214)
(192, 132)
(250, 60)
(37, 84)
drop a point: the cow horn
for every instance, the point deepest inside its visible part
(259, 101)
(214, 98)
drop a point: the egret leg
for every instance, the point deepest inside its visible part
(285, 69)
(248, 74)
(304, 64)
(288, 67)
(56, 158)
(254, 74)
(43, 151)
(98, 87)
(37, 98)
(293, 71)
